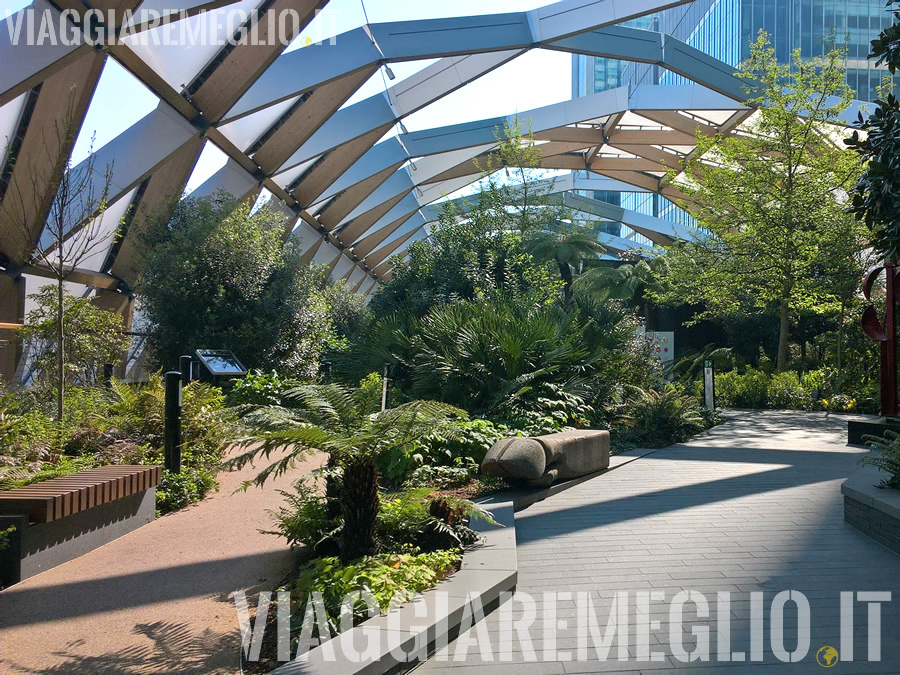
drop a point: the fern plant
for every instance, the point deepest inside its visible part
(660, 417)
(885, 456)
(207, 427)
(332, 419)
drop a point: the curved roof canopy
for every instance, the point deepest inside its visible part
(355, 195)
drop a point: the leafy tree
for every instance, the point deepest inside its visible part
(770, 201)
(221, 276)
(516, 196)
(382, 340)
(876, 196)
(466, 257)
(93, 337)
(339, 421)
(476, 248)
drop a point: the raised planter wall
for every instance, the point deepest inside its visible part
(486, 572)
(872, 510)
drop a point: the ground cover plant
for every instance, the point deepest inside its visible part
(115, 424)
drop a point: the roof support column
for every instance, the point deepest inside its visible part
(12, 311)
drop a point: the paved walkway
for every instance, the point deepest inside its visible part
(158, 600)
(752, 506)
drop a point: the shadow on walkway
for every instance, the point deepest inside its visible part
(83, 598)
(172, 648)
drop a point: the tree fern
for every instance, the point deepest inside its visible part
(331, 420)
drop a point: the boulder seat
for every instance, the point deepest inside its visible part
(544, 460)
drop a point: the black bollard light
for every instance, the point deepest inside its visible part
(107, 374)
(172, 451)
(185, 365)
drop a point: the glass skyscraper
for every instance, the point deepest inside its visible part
(724, 29)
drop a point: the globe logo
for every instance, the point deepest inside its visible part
(827, 656)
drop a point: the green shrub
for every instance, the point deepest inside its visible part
(369, 392)
(711, 418)
(206, 426)
(885, 457)
(5, 535)
(177, 490)
(257, 388)
(785, 392)
(747, 390)
(463, 439)
(756, 388)
(392, 579)
(817, 380)
(840, 403)
(60, 465)
(463, 470)
(404, 519)
(26, 432)
(659, 418)
(486, 355)
(555, 410)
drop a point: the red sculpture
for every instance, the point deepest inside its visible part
(884, 332)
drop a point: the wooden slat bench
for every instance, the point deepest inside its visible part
(60, 519)
(60, 497)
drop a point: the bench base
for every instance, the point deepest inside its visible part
(42, 546)
(857, 430)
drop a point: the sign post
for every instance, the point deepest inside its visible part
(219, 366)
(185, 365)
(709, 385)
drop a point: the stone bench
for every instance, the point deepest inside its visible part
(60, 519)
(543, 460)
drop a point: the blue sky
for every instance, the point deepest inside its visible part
(535, 79)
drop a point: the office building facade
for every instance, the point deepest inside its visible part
(724, 29)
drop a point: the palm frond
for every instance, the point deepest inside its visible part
(300, 440)
(330, 405)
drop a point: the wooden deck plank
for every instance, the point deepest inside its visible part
(66, 495)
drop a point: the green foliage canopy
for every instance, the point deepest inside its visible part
(876, 196)
(476, 250)
(221, 276)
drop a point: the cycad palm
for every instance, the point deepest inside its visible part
(487, 354)
(334, 420)
(567, 246)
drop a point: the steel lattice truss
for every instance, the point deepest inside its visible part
(354, 200)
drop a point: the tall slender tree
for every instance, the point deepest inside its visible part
(771, 198)
(74, 230)
(566, 245)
